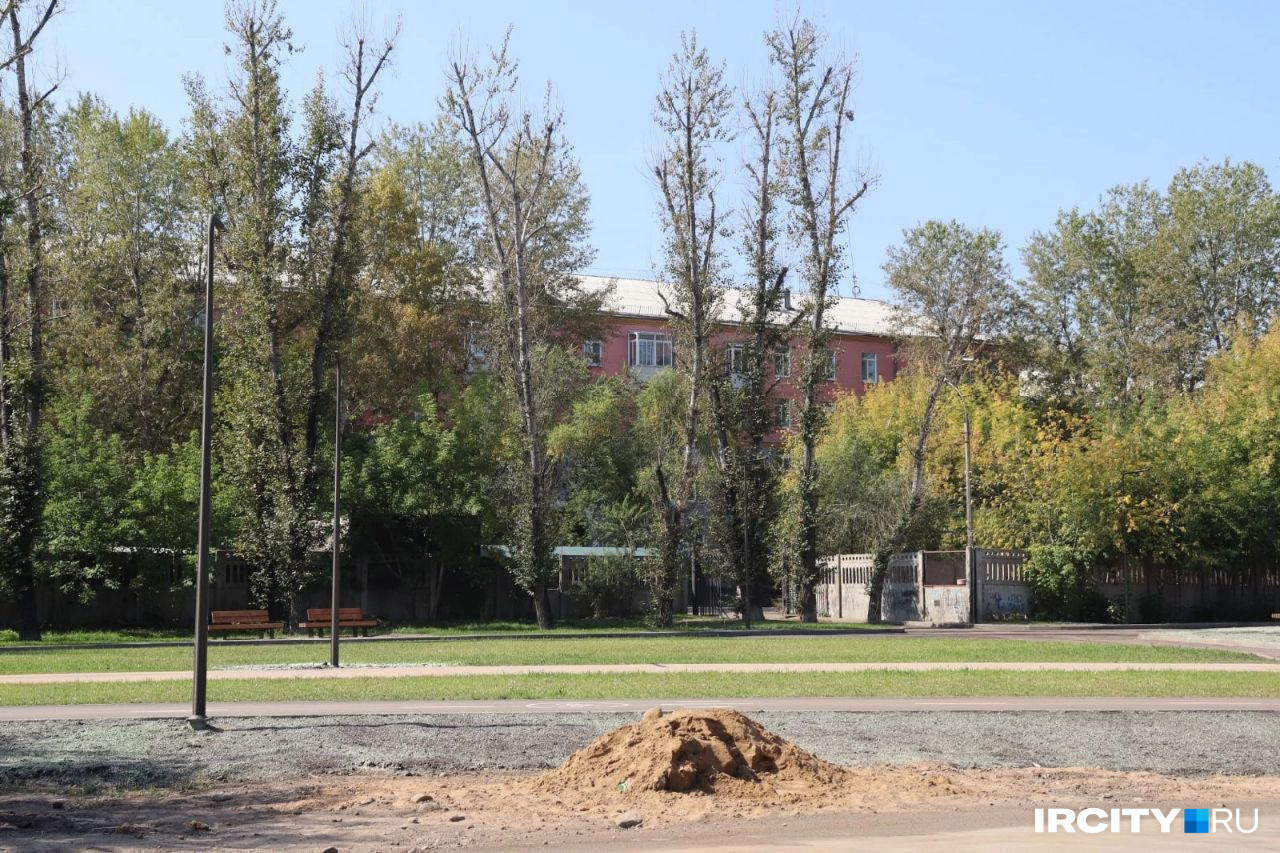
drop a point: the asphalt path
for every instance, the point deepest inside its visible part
(586, 706)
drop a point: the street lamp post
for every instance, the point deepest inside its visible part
(198, 719)
(968, 504)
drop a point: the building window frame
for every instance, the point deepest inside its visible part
(870, 367)
(649, 349)
(827, 365)
(735, 356)
(593, 352)
(782, 413)
(782, 363)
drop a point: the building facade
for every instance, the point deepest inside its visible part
(639, 338)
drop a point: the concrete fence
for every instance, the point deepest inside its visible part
(931, 586)
(1151, 593)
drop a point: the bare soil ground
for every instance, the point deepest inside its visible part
(689, 779)
(513, 812)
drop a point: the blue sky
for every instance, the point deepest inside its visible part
(997, 114)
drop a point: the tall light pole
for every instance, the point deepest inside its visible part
(968, 504)
(337, 514)
(200, 670)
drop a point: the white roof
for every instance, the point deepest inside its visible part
(637, 297)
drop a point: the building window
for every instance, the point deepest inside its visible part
(782, 362)
(737, 358)
(869, 372)
(782, 414)
(826, 365)
(593, 351)
(649, 349)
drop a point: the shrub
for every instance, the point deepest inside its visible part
(1061, 586)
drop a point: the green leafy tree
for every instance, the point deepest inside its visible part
(420, 229)
(418, 493)
(1130, 301)
(954, 299)
(744, 399)
(292, 249)
(87, 517)
(599, 455)
(125, 286)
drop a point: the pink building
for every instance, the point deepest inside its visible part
(640, 340)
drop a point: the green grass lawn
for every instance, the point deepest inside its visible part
(684, 622)
(670, 686)
(779, 649)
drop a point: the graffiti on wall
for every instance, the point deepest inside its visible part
(903, 602)
(1004, 601)
(948, 605)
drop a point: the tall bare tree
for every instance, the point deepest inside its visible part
(691, 111)
(23, 380)
(534, 208)
(822, 191)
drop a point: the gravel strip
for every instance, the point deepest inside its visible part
(1267, 637)
(165, 753)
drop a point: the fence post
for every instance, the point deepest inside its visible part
(839, 587)
(976, 572)
(921, 607)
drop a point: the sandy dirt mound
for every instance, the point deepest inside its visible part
(692, 750)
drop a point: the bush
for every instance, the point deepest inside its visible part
(1061, 587)
(607, 585)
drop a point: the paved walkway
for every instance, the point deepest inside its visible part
(870, 704)
(358, 671)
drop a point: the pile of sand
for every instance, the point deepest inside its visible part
(689, 751)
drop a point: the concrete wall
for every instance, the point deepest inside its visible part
(844, 595)
(1172, 594)
(1002, 590)
(947, 605)
(1005, 601)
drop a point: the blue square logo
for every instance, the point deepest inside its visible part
(1195, 820)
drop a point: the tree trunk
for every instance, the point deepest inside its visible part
(808, 530)
(435, 577)
(542, 607)
(875, 589)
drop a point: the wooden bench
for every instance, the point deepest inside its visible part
(321, 619)
(244, 620)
